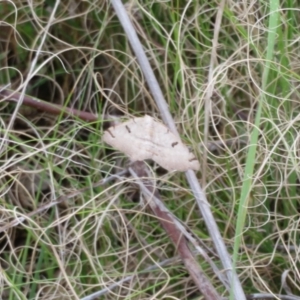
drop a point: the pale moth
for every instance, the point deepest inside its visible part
(144, 138)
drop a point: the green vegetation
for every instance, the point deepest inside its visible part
(104, 233)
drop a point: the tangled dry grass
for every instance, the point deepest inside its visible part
(73, 219)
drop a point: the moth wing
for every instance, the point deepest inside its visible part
(174, 155)
(128, 138)
(169, 151)
(143, 138)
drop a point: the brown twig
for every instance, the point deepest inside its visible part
(193, 181)
(55, 109)
(139, 171)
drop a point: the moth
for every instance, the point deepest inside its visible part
(144, 138)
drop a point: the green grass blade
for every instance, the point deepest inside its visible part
(249, 168)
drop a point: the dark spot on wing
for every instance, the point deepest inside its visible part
(128, 129)
(110, 133)
(174, 144)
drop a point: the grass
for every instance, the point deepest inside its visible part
(105, 234)
(249, 167)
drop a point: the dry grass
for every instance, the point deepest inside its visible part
(104, 234)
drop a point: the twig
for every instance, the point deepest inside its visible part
(139, 171)
(263, 296)
(191, 177)
(185, 233)
(54, 109)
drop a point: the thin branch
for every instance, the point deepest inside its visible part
(191, 177)
(55, 109)
(263, 296)
(139, 171)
